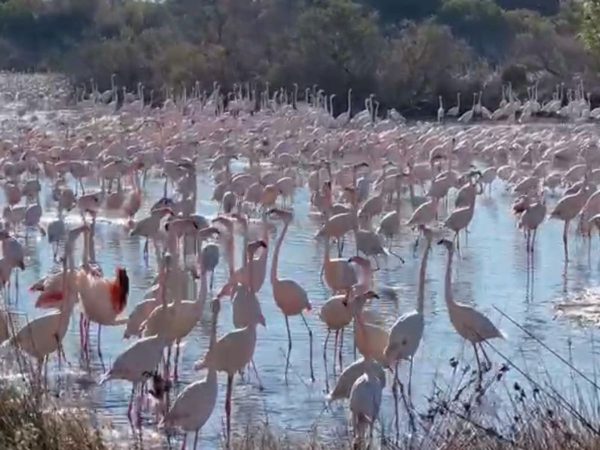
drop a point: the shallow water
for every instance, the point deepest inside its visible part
(491, 272)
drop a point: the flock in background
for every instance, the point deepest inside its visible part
(370, 179)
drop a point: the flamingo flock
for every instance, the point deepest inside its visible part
(365, 182)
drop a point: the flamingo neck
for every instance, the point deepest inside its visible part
(245, 255)
(327, 253)
(275, 261)
(231, 252)
(202, 291)
(448, 281)
(422, 272)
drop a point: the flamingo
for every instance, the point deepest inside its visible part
(469, 323)
(230, 354)
(371, 340)
(103, 300)
(142, 357)
(365, 401)
(406, 333)
(567, 209)
(180, 317)
(289, 296)
(195, 404)
(44, 335)
(349, 375)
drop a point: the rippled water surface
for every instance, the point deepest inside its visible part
(492, 272)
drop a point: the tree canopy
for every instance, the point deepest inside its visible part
(405, 52)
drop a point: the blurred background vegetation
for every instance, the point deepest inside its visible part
(406, 52)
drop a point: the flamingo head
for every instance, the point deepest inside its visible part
(359, 260)
(119, 297)
(253, 247)
(447, 243)
(208, 232)
(281, 214)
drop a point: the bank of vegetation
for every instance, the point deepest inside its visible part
(405, 52)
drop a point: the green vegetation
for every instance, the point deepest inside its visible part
(405, 52)
(29, 421)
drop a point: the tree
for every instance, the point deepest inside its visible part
(340, 43)
(591, 25)
(482, 23)
(394, 10)
(545, 7)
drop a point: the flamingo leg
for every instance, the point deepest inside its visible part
(87, 334)
(310, 338)
(325, 347)
(260, 385)
(16, 285)
(195, 440)
(340, 349)
(99, 344)
(175, 371)
(168, 364)
(228, 406)
(130, 406)
(406, 405)
(565, 242)
(325, 359)
(410, 369)
(184, 441)
(480, 373)
(396, 412)
(289, 335)
(485, 355)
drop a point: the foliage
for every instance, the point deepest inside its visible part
(481, 22)
(423, 61)
(27, 422)
(591, 24)
(406, 52)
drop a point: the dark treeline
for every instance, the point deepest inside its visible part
(405, 52)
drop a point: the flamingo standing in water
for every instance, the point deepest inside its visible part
(141, 358)
(230, 354)
(407, 331)
(195, 404)
(178, 319)
(290, 297)
(44, 335)
(469, 323)
(103, 300)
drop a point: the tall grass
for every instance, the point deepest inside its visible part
(29, 420)
(510, 408)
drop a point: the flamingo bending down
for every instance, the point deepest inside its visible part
(142, 357)
(365, 401)
(350, 374)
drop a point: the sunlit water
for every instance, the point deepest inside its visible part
(491, 272)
